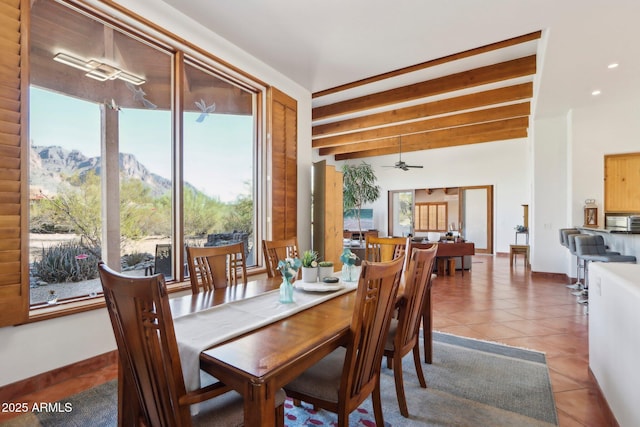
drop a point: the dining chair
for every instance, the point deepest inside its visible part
(404, 331)
(384, 248)
(427, 310)
(214, 267)
(277, 250)
(342, 380)
(148, 352)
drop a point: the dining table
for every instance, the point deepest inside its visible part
(263, 351)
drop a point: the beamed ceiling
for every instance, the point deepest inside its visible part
(431, 105)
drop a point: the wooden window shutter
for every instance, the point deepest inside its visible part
(14, 254)
(284, 165)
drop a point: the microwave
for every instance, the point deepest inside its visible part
(622, 222)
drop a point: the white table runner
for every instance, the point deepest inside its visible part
(196, 332)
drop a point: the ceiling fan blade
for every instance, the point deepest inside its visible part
(411, 166)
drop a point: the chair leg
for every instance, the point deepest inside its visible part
(280, 415)
(397, 376)
(388, 362)
(416, 361)
(377, 404)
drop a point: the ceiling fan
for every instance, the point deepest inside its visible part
(400, 164)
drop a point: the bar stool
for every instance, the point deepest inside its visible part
(592, 248)
(564, 241)
(579, 265)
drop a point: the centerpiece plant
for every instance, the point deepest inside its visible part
(310, 266)
(288, 268)
(348, 259)
(325, 269)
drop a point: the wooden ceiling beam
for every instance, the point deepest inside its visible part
(501, 135)
(444, 106)
(471, 78)
(471, 117)
(424, 140)
(427, 64)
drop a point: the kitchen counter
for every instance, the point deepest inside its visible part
(614, 348)
(625, 242)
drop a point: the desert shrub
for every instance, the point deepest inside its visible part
(135, 258)
(67, 262)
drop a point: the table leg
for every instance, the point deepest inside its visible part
(259, 405)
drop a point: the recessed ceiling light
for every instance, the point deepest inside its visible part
(595, 93)
(613, 65)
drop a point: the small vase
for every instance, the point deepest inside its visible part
(309, 274)
(286, 292)
(348, 273)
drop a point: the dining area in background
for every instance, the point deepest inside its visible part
(260, 345)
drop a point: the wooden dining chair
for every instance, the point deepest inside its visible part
(342, 380)
(277, 250)
(214, 267)
(404, 331)
(427, 310)
(148, 352)
(384, 248)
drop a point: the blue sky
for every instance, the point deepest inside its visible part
(217, 150)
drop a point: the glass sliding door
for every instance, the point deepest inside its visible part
(401, 213)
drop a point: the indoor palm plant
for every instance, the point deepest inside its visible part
(359, 187)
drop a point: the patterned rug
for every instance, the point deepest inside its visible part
(470, 383)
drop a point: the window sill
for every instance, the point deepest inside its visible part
(80, 305)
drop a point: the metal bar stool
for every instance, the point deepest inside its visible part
(592, 248)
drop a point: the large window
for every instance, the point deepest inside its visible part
(110, 142)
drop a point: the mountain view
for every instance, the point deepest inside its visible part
(50, 166)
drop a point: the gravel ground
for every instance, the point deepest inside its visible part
(40, 294)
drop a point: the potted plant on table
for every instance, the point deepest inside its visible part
(310, 266)
(325, 269)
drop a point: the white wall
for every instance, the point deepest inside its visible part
(505, 165)
(39, 347)
(551, 189)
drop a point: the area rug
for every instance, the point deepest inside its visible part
(470, 383)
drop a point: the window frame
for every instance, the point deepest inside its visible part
(424, 212)
(183, 52)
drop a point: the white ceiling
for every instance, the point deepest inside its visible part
(321, 45)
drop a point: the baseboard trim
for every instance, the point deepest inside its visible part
(610, 418)
(55, 376)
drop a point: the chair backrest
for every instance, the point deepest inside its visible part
(564, 235)
(277, 250)
(375, 300)
(143, 328)
(590, 245)
(214, 267)
(571, 240)
(379, 249)
(416, 287)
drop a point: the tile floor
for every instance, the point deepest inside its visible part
(491, 302)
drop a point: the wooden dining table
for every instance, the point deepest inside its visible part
(259, 362)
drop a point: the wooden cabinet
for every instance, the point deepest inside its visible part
(622, 183)
(327, 212)
(354, 235)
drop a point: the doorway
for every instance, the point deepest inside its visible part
(476, 214)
